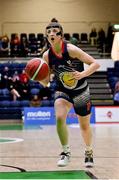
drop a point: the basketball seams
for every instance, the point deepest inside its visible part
(39, 67)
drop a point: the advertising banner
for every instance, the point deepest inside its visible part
(39, 115)
(107, 114)
(46, 116)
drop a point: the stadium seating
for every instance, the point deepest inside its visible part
(101, 93)
(10, 109)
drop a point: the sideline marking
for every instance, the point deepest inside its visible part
(10, 140)
(67, 174)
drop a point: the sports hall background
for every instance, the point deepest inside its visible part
(76, 16)
(36, 150)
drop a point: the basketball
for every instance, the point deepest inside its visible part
(37, 69)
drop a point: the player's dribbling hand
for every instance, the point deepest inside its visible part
(78, 75)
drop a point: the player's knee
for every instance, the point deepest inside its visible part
(60, 118)
(85, 127)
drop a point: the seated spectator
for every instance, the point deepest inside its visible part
(116, 94)
(23, 77)
(16, 76)
(44, 47)
(14, 87)
(23, 47)
(19, 90)
(4, 47)
(14, 46)
(45, 93)
(35, 100)
(73, 40)
(5, 77)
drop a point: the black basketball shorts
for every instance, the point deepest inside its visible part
(81, 101)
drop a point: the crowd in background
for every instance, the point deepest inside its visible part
(19, 87)
(28, 45)
(32, 45)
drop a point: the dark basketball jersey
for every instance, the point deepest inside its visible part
(62, 68)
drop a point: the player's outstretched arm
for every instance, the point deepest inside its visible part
(45, 81)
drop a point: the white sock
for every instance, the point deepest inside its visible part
(66, 148)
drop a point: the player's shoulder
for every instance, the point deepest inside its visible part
(72, 46)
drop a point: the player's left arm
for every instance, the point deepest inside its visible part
(76, 52)
(45, 81)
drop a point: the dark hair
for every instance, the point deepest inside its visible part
(54, 20)
(54, 23)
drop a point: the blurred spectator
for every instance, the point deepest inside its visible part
(16, 76)
(93, 36)
(23, 47)
(110, 36)
(4, 46)
(73, 40)
(19, 90)
(13, 87)
(116, 94)
(33, 48)
(44, 47)
(14, 46)
(45, 93)
(101, 40)
(5, 77)
(23, 77)
(35, 100)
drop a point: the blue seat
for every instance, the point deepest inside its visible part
(5, 103)
(34, 91)
(5, 92)
(15, 103)
(45, 103)
(22, 65)
(0, 91)
(14, 65)
(25, 103)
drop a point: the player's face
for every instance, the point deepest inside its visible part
(53, 35)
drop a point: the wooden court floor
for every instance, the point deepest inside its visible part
(39, 148)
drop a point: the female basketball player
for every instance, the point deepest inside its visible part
(66, 60)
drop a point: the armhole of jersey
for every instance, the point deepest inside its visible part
(65, 53)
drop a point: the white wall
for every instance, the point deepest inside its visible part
(104, 64)
(75, 15)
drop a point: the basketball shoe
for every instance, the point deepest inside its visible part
(89, 159)
(64, 159)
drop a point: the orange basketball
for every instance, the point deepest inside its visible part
(37, 69)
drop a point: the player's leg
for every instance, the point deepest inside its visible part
(87, 137)
(82, 106)
(62, 107)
